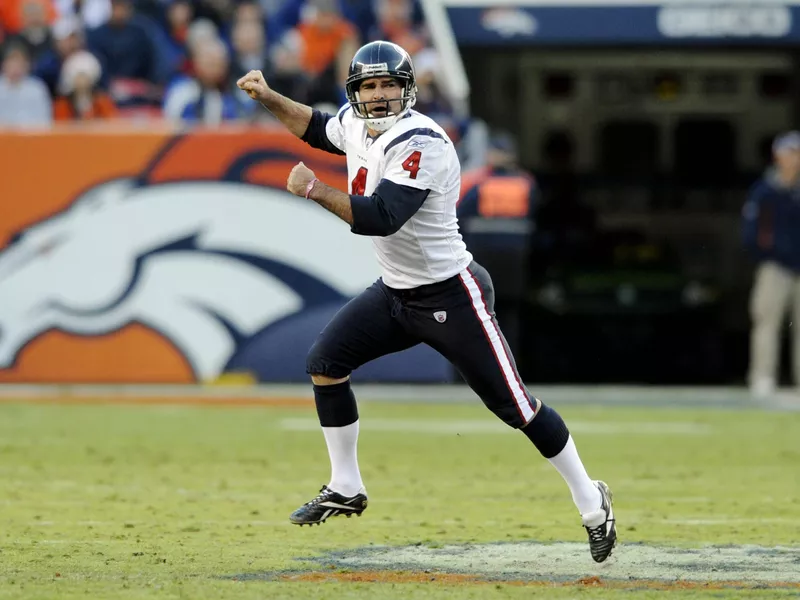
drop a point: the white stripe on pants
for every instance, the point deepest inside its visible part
(524, 405)
(775, 289)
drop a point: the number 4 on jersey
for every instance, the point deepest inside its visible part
(359, 183)
(411, 164)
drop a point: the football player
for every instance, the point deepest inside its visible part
(404, 179)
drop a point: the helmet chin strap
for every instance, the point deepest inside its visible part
(382, 124)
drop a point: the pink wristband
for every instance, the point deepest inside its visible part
(310, 186)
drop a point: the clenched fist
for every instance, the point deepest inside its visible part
(255, 85)
(299, 179)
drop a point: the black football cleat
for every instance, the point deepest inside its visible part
(328, 504)
(601, 526)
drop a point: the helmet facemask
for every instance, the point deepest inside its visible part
(383, 120)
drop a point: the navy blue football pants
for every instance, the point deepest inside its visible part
(455, 317)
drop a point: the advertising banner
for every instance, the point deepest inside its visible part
(161, 257)
(607, 22)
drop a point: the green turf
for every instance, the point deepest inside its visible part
(174, 502)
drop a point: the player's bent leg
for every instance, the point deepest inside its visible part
(550, 435)
(475, 345)
(361, 331)
(338, 416)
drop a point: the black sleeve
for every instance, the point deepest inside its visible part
(315, 135)
(387, 210)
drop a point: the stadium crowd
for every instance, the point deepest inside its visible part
(85, 60)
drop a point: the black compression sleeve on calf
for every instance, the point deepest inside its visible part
(336, 404)
(547, 431)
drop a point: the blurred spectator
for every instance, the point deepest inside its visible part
(250, 53)
(249, 11)
(34, 27)
(125, 47)
(249, 48)
(218, 12)
(321, 48)
(395, 23)
(208, 98)
(179, 16)
(80, 99)
(473, 144)
(67, 38)
(151, 10)
(270, 8)
(15, 15)
(201, 32)
(771, 232)
(506, 189)
(287, 74)
(142, 44)
(91, 13)
(430, 98)
(357, 12)
(496, 217)
(24, 100)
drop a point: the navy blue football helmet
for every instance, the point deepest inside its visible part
(381, 59)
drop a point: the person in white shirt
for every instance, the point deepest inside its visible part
(24, 99)
(404, 184)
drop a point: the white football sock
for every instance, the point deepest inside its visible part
(342, 449)
(585, 494)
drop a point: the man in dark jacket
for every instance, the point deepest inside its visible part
(126, 46)
(771, 231)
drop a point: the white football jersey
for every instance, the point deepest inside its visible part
(414, 152)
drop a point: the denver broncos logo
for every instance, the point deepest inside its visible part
(203, 248)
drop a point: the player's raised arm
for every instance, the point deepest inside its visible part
(294, 115)
(317, 129)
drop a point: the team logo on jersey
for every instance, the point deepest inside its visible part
(440, 316)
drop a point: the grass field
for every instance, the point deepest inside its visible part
(121, 501)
